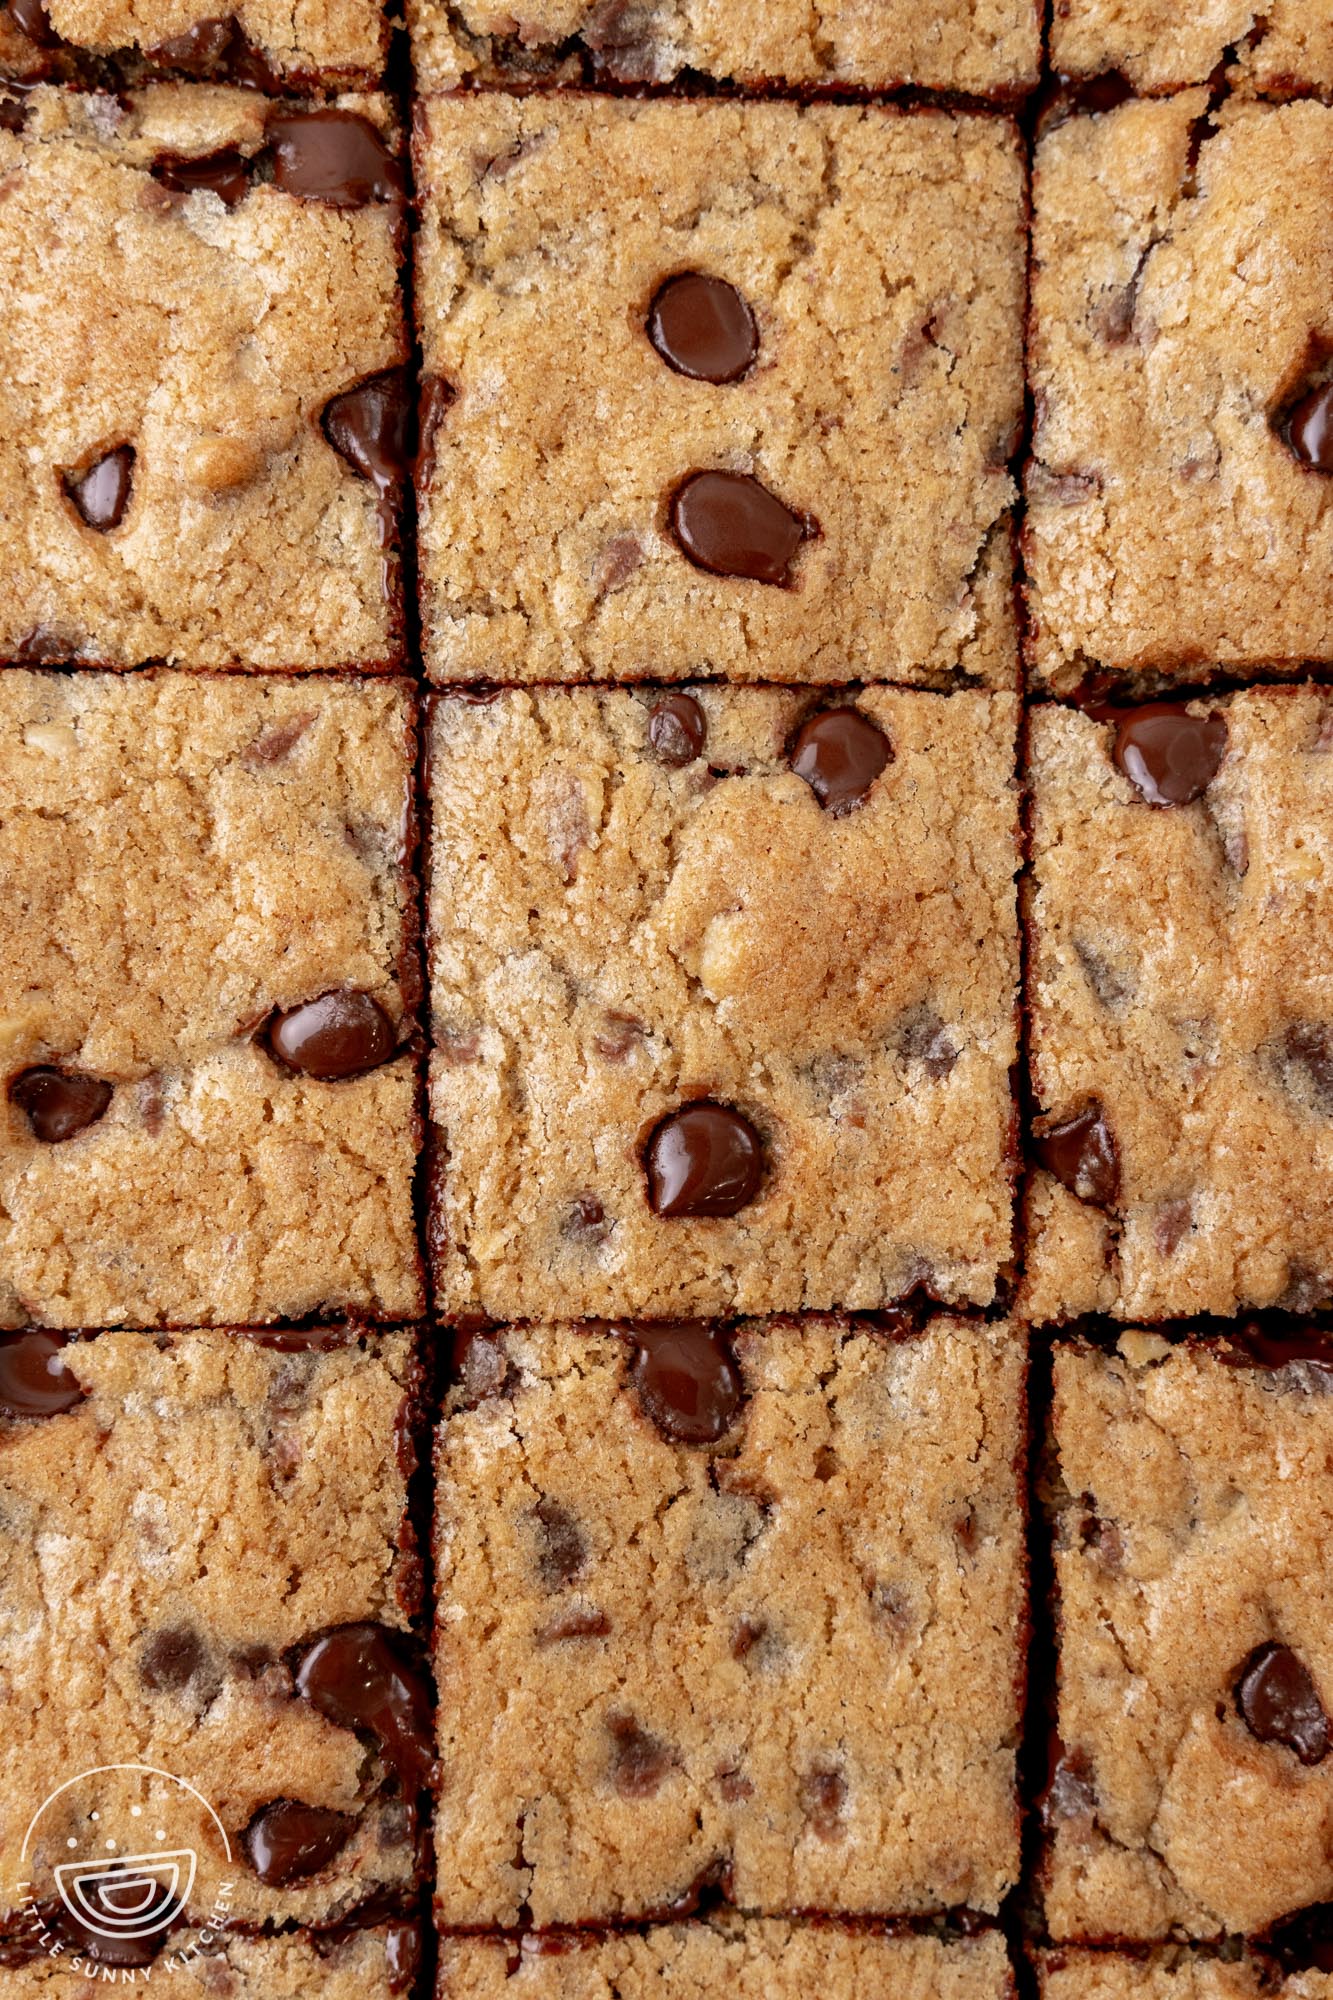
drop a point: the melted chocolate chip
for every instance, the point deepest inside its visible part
(339, 1035)
(34, 1381)
(563, 1548)
(336, 157)
(171, 1658)
(1169, 755)
(1279, 1703)
(686, 1380)
(481, 1368)
(31, 19)
(1082, 1154)
(370, 426)
(13, 114)
(1252, 1347)
(703, 1160)
(729, 524)
(356, 1677)
(639, 1762)
(224, 174)
(677, 730)
(436, 400)
(287, 1841)
(1308, 1047)
(823, 1796)
(59, 1103)
(102, 493)
(107, 1898)
(402, 1952)
(703, 328)
(1309, 428)
(199, 50)
(840, 754)
(574, 1624)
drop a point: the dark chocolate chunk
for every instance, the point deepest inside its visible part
(703, 328)
(840, 754)
(224, 174)
(823, 1796)
(59, 1103)
(686, 1380)
(31, 19)
(332, 156)
(402, 1952)
(171, 1658)
(481, 1367)
(1169, 755)
(677, 729)
(436, 400)
(1081, 1152)
(639, 1762)
(1254, 1347)
(1309, 428)
(200, 50)
(288, 1841)
(339, 1035)
(703, 1160)
(107, 1898)
(358, 1679)
(731, 525)
(102, 493)
(371, 427)
(1308, 1047)
(34, 1381)
(1279, 1703)
(563, 1548)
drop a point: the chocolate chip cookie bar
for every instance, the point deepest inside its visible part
(264, 43)
(210, 1095)
(723, 987)
(759, 1960)
(1179, 517)
(720, 389)
(1193, 1791)
(739, 1608)
(1172, 1974)
(1157, 45)
(202, 403)
(1181, 1039)
(374, 1963)
(985, 47)
(207, 1570)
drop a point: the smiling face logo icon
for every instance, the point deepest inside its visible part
(113, 1858)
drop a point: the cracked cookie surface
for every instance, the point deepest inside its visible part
(755, 1960)
(271, 42)
(201, 1508)
(881, 257)
(1171, 1974)
(1193, 1521)
(977, 46)
(788, 1661)
(1181, 285)
(1179, 997)
(618, 936)
(1285, 46)
(179, 858)
(205, 335)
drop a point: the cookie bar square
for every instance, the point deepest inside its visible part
(1158, 45)
(736, 1608)
(1181, 1008)
(718, 389)
(1194, 1788)
(1179, 518)
(723, 989)
(1172, 1974)
(197, 1530)
(200, 383)
(206, 927)
(755, 1960)
(348, 1964)
(266, 43)
(984, 47)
